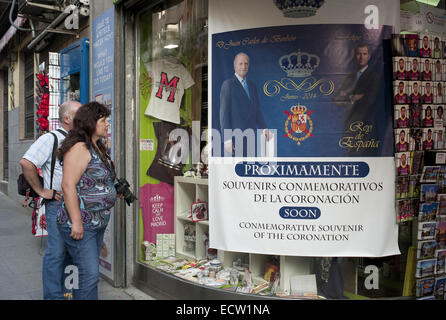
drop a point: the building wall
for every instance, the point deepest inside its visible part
(4, 66)
(99, 7)
(1, 122)
(17, 148)
(3, 185)
(16, 123)
(16, 120)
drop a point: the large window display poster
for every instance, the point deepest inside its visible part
(103, 92)
(302, 138)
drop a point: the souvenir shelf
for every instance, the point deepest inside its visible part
(188, 190)
(419, 123)
(189, 234)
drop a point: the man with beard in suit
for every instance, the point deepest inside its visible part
(358, 94)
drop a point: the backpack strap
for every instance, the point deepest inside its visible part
(53, 158)
(62, 132)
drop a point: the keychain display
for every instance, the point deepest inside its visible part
(199, 211)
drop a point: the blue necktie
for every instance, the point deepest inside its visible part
(245, 86)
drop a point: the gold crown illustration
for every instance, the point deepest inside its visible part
(298, 109)
(299, 64)
(298, 8)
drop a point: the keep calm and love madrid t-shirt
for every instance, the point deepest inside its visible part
(169, 82)
(157, 210)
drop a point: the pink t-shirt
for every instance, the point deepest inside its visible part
(157, 209)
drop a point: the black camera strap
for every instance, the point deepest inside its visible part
(106, 160)
(53, 157)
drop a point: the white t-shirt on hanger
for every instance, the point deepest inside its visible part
(169, 82)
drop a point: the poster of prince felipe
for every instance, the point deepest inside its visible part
(311, 79)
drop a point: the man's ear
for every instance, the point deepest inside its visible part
(67, 118)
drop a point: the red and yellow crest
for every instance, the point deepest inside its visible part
(301, 124)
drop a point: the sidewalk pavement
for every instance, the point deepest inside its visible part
(21, 256)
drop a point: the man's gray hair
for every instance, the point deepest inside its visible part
(240, 54)
(65, 109)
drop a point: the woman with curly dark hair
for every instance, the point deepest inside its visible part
(88, 194)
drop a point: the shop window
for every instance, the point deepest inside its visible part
(74, 72)
(29, 96)
(71, 84)
(176, 32)
(172, 58)
(179, 36)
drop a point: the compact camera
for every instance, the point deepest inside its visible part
(122, 187)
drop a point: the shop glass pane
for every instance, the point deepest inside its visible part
(177, 36)
(71, 87)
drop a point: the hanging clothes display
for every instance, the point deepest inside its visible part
(170, 79)
(157, 210)
(167, 163)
